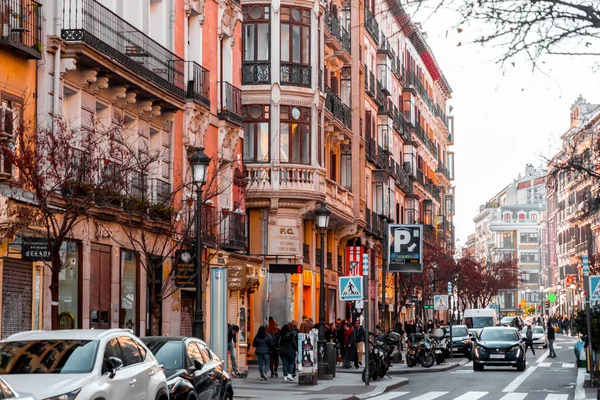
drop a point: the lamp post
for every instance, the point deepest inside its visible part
(542, 300)
(558, 292)
(323, 214)
(199, 163)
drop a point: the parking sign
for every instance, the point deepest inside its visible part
(406, 244)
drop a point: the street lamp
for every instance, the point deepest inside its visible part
(323, 214)
(199, 163)
(542, 300)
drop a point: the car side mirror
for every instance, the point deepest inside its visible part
(114, 365)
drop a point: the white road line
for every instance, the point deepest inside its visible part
(579, 390)
(514, 396)
(554, 396)
(463, 371)
(544, 364)
(389, 396)
(471, 396)
(568, 365)
(556, 347)
(430, 396)
(511, 387)
(543, 357)
(570, 347)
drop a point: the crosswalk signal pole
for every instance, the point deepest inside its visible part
(365, 270)
(586, 277)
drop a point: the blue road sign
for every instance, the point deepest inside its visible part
(594, 290)
(351, 288)
(365, 264)
(449, 288)
(586, 264)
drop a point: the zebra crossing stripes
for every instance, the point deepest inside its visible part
(472, 395)
(568, 365)
(430, 396)
(514, 396)
(389, 396)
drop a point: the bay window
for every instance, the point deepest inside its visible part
(256, 133)
(295, 134)
(257, 45)
(295, 46)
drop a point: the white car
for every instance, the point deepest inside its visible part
(539, 336)
(83, 364)
(7, 392)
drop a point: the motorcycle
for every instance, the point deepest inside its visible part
(381, 349)
(422, 353)
(442, 346)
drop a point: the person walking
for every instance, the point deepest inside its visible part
(273, 330)
(350, 354)
(360, 340)
(232, 332)
(288, 346)
(551, 336)
(263, 343)
(529, 339)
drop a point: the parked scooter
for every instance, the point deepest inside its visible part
(441, 349)
(380, 354)
(423, 352)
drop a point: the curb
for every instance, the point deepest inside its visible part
(430, 370)
(388, 388)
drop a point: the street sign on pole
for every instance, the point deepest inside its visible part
(353, 260)
(365, 261)
(365, 265)
(594, 290)
(585, 260)
(350, 288)
(405, 248)
(449, 288)
(440, 302)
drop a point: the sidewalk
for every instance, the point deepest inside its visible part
(403, 369)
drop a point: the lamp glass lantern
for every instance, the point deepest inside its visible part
(199, 162)
(323, 214)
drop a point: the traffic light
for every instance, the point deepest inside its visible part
(548, 304)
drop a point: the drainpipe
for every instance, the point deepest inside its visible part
(57, 55)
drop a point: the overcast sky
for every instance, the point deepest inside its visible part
(503, 119)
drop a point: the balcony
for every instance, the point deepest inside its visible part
(256, 73)
(329, 262)
(340, 38)
(306, 253)
(160, 192)
(384, 73)
(290, 177)
(340, 264)
(198, 84)
(443, 172)
(371, 25)
(295, 74)
(338, 109)
(22, 27)
(384, 46)
(209, 221)
(231, 103)
(89, 22)
(233, 232)
(340, 198)
(318, 257)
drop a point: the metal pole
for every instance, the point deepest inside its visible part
(586, 277)
(199, 312)
(384, 273)
(365, 262)
(323, 366)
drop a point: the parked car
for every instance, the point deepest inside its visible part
(83, 364)
(514, 322)
(193, 371)
(539, 336)
(7, 392)
(461, 341)
(499, 346)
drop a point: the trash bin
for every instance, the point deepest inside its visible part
(331, 357)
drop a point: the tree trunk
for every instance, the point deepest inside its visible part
(54, 281)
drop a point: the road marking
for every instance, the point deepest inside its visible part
(554, 396)
(471, 396)
(545, 364)
(514, 396)
(556, 347)
(430, 396)
(389, 396)
(543, 356)
(462, 371)
(579, 390)
(511, 387)
(570, 347)
(568, 365)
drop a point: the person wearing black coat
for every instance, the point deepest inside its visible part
(263, 343)
(551, 336)
(288, 347)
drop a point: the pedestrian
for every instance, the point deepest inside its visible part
(263, 343)
(360, 340)
(339, 338)
(306, 325)
(232, 331)
(297, 331)
(529, 339)
(273, 330)
(350, 354)
(551, 336)
(288, 346)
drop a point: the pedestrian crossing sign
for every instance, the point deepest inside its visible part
(440, 302)
(594, 290)
(351, 288)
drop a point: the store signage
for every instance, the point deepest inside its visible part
(236, 277)
(184, 271)
(35, 249)
(284, 240)
(406, 244)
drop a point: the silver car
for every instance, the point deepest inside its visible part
(539, 336)
(82, 365)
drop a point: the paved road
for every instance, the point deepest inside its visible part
(544, 379)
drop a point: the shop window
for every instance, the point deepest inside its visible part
(128, 312)
(68, 286)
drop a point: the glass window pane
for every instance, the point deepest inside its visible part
(305, 144)
(295, 144)
(263, 142)
(285, 146)
(68, 286)
(249, 142)
(285, 42)
(249, 42)
(306, 45)
(127, 315)
(263, 42)
(130, 351)
(296, 44)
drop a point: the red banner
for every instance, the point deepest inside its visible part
(354, 260)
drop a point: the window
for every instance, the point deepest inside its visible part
(193, 353)
(256, 133)
(113, 349)
(131, 351)
(529, 257)
(256, 33)
(10, 119)
(68, 286)
(346, 166)
(128, 312)
(529, 237)
(295, 35)
(295, 135)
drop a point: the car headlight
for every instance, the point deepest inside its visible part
(67, 396)
(173, 383)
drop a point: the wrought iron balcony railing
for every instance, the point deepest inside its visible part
(90, 22)
(339, 110)
(231, 102)
(21, 26)
(384, 46)
(198, 83)
(256, 73)
(371, 25)
(306, 253)
(384, 73)
(233, 231)
(337, 30)
(160, 192)
(295, 74)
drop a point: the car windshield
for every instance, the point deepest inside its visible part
(457, 331)
(479, 322)
(535, 329)
(48, 357)
(169, 353)
(506, 320)
(508, 335)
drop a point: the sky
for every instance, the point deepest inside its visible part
(504, 119)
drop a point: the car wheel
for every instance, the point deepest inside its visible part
(191, 396)
(229, 395)
(477, 367)
(522, 365)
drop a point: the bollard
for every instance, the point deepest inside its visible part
(331, 357)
